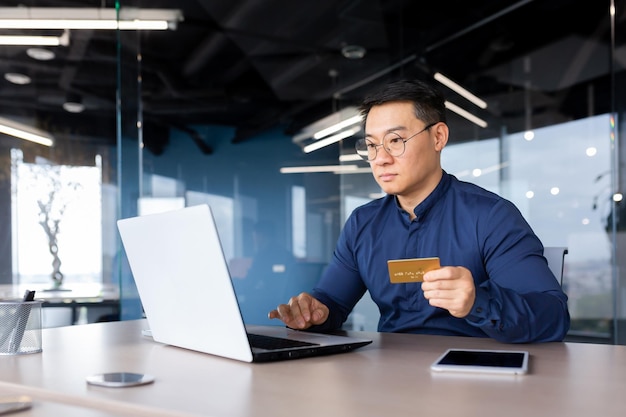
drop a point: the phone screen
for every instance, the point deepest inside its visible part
(499, 361)
(481, 358)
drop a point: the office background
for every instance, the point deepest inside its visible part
(210, 112)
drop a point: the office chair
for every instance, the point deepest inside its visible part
(555, 256)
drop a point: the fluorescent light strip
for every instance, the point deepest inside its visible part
(350, 157)
(11, 128)
(337, 127)
(355, 171)
(330, 140)
(84, 24)
(464, 113)
(63, 40)
(88, 18)
(31, 40)
(318, 168)
(460, 90)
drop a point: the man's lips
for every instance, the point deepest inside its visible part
(386, 176)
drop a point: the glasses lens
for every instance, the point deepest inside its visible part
(394, 144)
(365, 149)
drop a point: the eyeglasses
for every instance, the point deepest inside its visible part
(392, 142)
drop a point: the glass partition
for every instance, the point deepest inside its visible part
(559, 177)
(56, 198)
(562, 176)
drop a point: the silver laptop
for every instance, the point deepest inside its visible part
(185, 287)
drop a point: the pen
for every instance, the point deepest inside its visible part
(22, 314)
(10, 329)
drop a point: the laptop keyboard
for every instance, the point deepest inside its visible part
(273, 343)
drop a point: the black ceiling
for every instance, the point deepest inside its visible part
(258, 64)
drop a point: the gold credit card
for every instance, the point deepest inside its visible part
(410, 270)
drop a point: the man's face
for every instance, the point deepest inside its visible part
(412, 173)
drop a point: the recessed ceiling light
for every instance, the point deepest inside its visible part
(74, 103)
(17, 78)
(74, 107)
(40, 54)
(353, 51)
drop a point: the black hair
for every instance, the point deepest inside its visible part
(428, 101)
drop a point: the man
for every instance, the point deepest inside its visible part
(493, 281)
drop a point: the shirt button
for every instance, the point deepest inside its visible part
(479, 310)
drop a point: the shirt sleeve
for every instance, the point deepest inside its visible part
(342, 279)
(521, 302)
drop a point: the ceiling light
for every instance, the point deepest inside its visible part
(328, 125)
(62, 40)
(464, 113)
(74, 103)
(338, 126)
(23, 131)
(460, 90)
(331, 139)
(334, 124)
(318, 168)
(88, 18)
(17, 78)
(40, 54)
(350, 157)
(353, 51)
(362, 170)
(72, 107)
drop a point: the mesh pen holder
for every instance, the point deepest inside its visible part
(20, 327)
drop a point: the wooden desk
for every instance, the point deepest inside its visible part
(390, 377)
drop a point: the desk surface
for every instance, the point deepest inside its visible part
(50, 408)
(390, 377)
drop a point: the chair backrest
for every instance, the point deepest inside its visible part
(555, 255)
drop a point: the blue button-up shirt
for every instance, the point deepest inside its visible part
(518, 299)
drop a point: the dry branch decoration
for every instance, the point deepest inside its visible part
(55, 195)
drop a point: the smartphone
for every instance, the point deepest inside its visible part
(485, 361)
(119, 379)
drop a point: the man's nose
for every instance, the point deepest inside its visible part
(382, 156)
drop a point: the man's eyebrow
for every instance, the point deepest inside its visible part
(390, 130)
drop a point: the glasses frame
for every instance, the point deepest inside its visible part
(404, 141)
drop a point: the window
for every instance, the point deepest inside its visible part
(56, 221)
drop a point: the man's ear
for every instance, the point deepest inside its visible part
(441, 132)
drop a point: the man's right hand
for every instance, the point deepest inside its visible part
(302, 312)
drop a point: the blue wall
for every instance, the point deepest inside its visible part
(248, 173)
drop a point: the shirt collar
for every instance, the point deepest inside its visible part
(437, 194)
